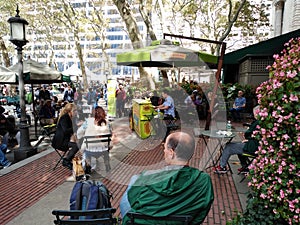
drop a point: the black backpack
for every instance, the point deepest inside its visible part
(89, 195)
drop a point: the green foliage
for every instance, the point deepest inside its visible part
(230, 91)
(274, 173)
(252, 16)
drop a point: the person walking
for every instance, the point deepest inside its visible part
(120, 100)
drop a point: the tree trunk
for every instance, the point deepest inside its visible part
(3, 50)
(135, 37)
(130, 22)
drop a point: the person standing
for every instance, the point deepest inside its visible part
(69, 95)
(91, 97)
(238, 105)
(120, 100)
(44, 94)
(65, 138)
(176, 189)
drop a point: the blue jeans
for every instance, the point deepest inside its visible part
(6, 138)
(124, 203)
(235, 113)
(229, 150)
(3, 159)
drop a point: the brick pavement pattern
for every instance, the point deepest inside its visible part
(26, 185)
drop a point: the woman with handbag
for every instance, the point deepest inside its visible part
(65, 138)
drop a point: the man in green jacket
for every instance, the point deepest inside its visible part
(176, 189)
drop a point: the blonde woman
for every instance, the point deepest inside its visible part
(64, 135)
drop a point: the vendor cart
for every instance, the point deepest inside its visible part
(142, 110)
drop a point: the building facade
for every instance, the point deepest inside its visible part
(98, 61)
(285, 16)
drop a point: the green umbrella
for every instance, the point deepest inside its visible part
(38, 73)
(166, 53)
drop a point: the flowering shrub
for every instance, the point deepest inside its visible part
(275, 174)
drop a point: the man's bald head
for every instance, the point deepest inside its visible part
(183, 144)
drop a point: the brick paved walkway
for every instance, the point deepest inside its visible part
(226, 198)
(24, 186)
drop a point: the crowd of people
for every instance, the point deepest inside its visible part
(149, 190)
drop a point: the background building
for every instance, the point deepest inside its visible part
(285, 16)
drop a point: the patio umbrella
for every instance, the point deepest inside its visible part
(7, 76)
(166, 53)
(38, 73)
(73, 71)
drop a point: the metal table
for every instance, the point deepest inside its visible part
(222, 140)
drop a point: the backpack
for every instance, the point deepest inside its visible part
(89, 195)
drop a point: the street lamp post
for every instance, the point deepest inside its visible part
(18, 38)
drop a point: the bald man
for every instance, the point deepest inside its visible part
(176, 189)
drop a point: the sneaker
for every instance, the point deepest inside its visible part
(243, 170)
(240, 169)
(220, 169)
(7, 165)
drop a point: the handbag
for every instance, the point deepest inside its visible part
(78, 171)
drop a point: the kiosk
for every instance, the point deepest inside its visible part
(142, 112)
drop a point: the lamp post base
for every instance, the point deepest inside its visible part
(25, 150)
(20, 155)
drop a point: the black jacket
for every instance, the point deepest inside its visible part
(63, 133)
(252, 144)
(70, 95)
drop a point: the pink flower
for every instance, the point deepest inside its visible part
(286, 137)
(294, 98)
(281, 193)
(263, 196)
(291, 74)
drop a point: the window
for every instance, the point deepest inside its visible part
(115, 37)
(115, 45)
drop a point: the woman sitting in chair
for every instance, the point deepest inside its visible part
(96, 126)
(64, 138)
